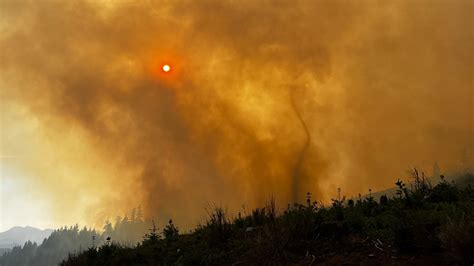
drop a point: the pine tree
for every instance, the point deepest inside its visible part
(170, 231)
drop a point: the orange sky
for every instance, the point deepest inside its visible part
(91, 127)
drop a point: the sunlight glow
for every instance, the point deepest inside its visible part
(166, 68)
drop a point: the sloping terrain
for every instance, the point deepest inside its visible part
(426, 225)
(18, 235)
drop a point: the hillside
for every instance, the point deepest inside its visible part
(18, 235)
(460, 178)
(430, 223)
(425, 225)
(66, 240)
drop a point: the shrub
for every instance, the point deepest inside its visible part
(458, 237)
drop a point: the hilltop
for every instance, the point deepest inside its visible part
(421, 224)
(18, 235)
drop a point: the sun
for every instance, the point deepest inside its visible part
(166, 68)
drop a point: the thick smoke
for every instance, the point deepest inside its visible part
(265, 98)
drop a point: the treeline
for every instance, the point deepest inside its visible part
(127, 231)
(423, 224)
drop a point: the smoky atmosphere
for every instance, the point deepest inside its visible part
(151, 115)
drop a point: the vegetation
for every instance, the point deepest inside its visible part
(126, 231)
(421, 224)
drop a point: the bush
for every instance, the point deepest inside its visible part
(458, 238)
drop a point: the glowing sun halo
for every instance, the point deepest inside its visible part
(166, 68)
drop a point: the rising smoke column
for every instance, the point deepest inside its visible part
(298, 177)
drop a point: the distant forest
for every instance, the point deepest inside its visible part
(421, 223)
(127, 231)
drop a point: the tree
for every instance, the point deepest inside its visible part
(153, 236)
(170, 231)
(108, 229)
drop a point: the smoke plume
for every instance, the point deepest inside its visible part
(264, 99)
